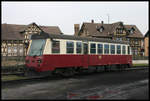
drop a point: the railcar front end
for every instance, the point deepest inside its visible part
(34, 59)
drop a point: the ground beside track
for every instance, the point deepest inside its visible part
(108, 85)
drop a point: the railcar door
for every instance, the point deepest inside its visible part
(85, 55)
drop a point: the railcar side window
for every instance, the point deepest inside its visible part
(85, 48)
(112, 49)
(100, 48)
(123, 50)
(55, 47)
(78, 47)
(128, 49)
(106, 49)
(70, 47)
(93, 48)
(118, 49)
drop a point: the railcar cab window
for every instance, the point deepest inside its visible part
(100, 48)
(112, 49)
(37, 47)
(70, 47)
(93, 48)
(123, 50)
(55, 46)
(106, 48)
(79, 47)
(118, 49)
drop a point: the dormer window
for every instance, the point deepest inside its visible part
(132, 30)
(100, 29)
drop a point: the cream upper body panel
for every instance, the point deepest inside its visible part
(63, 49)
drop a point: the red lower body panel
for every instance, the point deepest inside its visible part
(51, 62)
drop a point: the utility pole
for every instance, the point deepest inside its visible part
(108, 18)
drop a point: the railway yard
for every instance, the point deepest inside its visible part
(127, 84)
(97, 60)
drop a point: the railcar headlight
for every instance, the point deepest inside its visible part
(39, 61)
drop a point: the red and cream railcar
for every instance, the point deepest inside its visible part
(51, 52)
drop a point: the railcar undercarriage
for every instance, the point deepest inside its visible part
(71, 71)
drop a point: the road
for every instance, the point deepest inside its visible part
(107, 85)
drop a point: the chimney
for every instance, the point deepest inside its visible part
(92, 21)
(76, 29)
(102, 22)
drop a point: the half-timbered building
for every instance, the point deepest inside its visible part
(114, 31)
(15, 38)
(146, 44)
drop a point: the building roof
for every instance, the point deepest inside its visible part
(12, 31)
(109, 29)
(51, 29)
(147, 34)
(136, 34)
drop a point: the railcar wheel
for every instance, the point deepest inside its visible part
(68, 72)
(118, 67)
(106, 68)
(122, 67)
(30, 73)
(100, 69)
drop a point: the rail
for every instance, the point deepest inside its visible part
(25, 79)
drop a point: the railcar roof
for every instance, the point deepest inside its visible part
(44, 35)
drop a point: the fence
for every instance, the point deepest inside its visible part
(11, 64)
(140, 57)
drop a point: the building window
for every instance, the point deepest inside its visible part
(123, 50)
(15, 49)
(100, 48)
(106, 49)
(112, 49)
(119, 30)
(2, 49)
(128, 40)
(21, 50)
(55, 47)
(29, 36)
(118, 49)
(136, 42)
(93, 48)
(78, 47)
(9, 50)
(136, 52)
(119, 39)
(70, 47)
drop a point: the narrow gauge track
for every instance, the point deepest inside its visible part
(17, 73)
(22, 73)
(57, 77)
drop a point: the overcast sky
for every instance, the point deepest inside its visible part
(66, 14)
